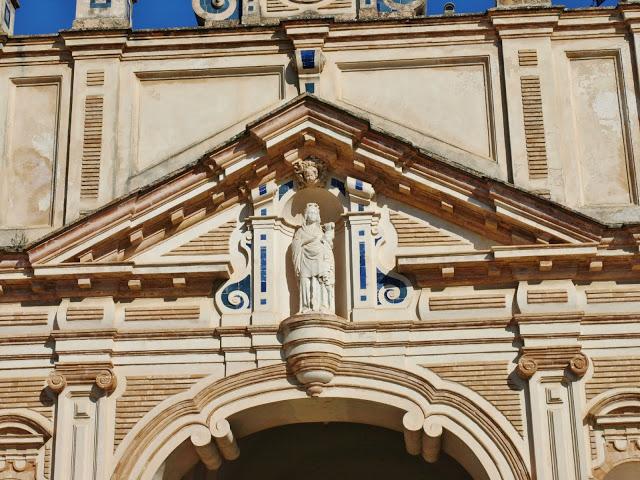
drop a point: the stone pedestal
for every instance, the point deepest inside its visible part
(103, 14)
(312, 345)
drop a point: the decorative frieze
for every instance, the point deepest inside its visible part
(23, 319)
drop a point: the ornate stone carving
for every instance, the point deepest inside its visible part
(314, 262)
(313, 348)
(527, 367)
(579, 364)
(100, 374)
(310, 172)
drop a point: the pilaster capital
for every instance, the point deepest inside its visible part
(99, 374)
(552, 358)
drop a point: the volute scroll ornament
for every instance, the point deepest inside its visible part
(527, 367)
(103, 378)
(579, 364)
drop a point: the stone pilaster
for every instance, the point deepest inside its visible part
(103, 14)
(553, 364)
(526, 58)
(359, 225)
(85, 416)
(93, 129)
(265, 272)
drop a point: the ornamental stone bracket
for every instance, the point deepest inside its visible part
(313, 344)
(308, 41)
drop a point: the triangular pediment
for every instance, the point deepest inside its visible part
(440, 213)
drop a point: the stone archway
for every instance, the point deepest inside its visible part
(317, 451)
(360, 393)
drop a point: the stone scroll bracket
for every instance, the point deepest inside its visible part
(308, 42)
(85, 418)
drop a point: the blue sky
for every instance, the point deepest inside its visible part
(49, 16)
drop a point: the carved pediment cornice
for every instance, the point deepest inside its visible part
(532, 236)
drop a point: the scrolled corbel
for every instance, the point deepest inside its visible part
(527, 367)
(579, 364)
(56, 382)
(106, 381)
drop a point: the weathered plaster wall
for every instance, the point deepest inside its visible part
(545, 99)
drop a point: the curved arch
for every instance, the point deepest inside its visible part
(356, 384)
(612, 399)
(31, 421)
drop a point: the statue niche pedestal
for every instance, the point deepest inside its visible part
(312, 344)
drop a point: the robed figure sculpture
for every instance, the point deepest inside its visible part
(314, 263)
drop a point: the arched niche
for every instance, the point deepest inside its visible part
(332, 207)
(258, 400)
(613, 418)
(24, 435)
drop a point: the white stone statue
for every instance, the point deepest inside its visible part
(314, 263)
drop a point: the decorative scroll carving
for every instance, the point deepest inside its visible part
(534, 359)
(314, 263)
(83, 374)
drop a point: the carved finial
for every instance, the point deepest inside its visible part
(310, 172)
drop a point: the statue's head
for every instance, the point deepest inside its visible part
(312, 213)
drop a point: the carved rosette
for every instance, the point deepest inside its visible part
(102, 376)
(312, 345)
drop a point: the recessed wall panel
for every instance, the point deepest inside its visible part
(449, 103)
(601, 137)
(178, 113)
(31, 158)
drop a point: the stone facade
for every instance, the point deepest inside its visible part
(476, 182)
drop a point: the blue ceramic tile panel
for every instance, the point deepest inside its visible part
(308, 58)
(385, 282)
(262, 189)
(359, 185)
(243, 286)
(310, 87)
(335, 183)
(363, 266)
(284, 188)
(263, 269)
